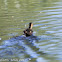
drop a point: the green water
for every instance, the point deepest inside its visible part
(46, 16)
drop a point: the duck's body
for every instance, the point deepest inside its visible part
(28, 31)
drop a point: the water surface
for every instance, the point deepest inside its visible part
(46, 16)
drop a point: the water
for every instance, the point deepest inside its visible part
(46, 16)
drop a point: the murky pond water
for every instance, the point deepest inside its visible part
(46, 45)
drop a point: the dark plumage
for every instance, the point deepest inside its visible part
(28, 31)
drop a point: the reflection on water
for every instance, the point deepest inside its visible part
(46, 16)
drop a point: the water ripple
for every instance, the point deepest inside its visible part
(46, 16)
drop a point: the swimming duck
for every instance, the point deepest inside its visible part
(28, 31)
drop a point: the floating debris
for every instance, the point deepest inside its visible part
(25, 25)
(0, 38)
(12, 16)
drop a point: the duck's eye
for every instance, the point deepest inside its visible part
(30, 31)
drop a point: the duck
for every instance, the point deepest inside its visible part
(29, 31)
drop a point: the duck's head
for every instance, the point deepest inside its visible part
(30, 25)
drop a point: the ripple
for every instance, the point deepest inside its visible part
(47, 19)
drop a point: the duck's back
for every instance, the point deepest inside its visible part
(28, 32)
